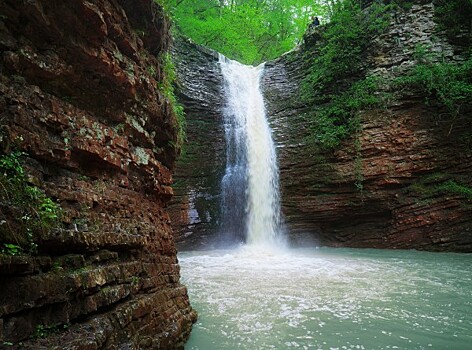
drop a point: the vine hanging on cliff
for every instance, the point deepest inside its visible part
(167, 87)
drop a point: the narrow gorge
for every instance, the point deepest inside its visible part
(378, 187)
(145, 178)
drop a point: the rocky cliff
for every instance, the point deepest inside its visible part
(390, 185)
(80, 96)
(380, 187)
(195, 208)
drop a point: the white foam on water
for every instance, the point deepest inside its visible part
(251, 156)
(248, 299)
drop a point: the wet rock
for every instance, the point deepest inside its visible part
(195, 208)
(79, 86)
(396, 151)
(371, 191)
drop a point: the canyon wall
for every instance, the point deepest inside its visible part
(380, 188)
(195, 207)
(377, 188)
(81, 96)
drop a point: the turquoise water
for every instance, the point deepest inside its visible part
(329, 299)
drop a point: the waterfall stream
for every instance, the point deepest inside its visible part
(250, 186)
(257, 297)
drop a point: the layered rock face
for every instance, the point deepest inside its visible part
(195, 207)
(80, 95)
(384, 187)
(376, 189)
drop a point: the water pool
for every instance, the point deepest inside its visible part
(329, 299)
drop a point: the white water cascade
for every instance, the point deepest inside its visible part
(257, 297)
(250, 186)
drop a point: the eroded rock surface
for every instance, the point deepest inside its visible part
(80, 95)
(195, 208)
(377, 189)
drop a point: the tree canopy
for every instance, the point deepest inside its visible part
(250, 31)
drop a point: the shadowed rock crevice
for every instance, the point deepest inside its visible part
(195, 209)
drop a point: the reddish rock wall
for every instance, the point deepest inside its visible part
(79, 94)
(403, 158)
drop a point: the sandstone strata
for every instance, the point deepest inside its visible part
(379, 189)
(79, 84)
(195, 208)
(376, 189)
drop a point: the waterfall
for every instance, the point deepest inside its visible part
(250, 186)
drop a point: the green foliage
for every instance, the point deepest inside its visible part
(11, 249)
(454, 16)
(57, 266)
(250, 31)
(440, 184)
(10, 166)
(152, 71)
(34, 212)
(42, 331)
(338, 119)
(334, 80)
(135, 280)
(167, 87)
(403, 4)
(455, 188)
(449, 83)
(344, 41)
(423, 54)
